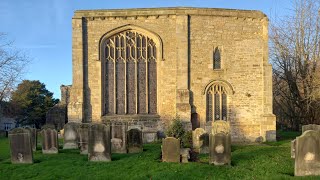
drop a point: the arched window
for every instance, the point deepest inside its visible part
(216, 58)
(216, 96)
(130, 74)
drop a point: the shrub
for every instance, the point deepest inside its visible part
(186, 140)
(175, 129)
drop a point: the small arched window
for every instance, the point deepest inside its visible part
(216, 58)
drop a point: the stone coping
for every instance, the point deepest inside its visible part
(169, 11)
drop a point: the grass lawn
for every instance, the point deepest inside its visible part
(265, 161)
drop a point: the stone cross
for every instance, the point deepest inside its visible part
(83, 137)
(20, 146)
(134, 138)
(119, 137)
(200, 141)
(33, 133)
(70, 135)
(50, 143)
(220, 143)
(307, 154)
(99, 144)
(170, 150)
(310, 127)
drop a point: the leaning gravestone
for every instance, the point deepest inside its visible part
(170, 150)
(20, 146)
(33, 133)
(71, 135)
(119, 137)
(200, 141)
(99, 144)
(307, 157)
(50, 143)
(314, 127)
(134, 138)
(220, 144)
(83, 137)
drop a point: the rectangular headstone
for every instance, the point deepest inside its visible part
(307, 156)
(99, 146)
(134, 138)
(149, 137)
(119, 137)
(220, 149)
(314, 127)
(20, 146)
(83, 137)
(50, 143)
(71, 136)
(33, 133)
(170, 150)
(200, 141)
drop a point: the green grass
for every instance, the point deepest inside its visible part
(265, 161)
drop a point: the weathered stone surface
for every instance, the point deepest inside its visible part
(50, 143)
(149, 137)
(185, 155)
(220, 149)
(33, 133)
(71, 136)
(134, 138)
(170, 150)
(83, 138)
(20, 146)
(220, 127)
(293, 148)
(307, 154)
(119, 137)
(200, 140)
(99, 146)
(315, 127)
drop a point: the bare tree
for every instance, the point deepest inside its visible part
(12, 66)
(295, 54)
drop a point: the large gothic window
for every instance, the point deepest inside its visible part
(216, 103)
(130, 74)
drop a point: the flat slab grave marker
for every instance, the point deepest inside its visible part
(71, 135)
(170, 150)
(83, 137)
(99, 144)
(34, 141)
(20, 146)
(50, 143)
(307, 154)
(134, 138)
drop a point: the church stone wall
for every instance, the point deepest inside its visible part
(189, 36)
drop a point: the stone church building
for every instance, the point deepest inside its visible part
(149, 66)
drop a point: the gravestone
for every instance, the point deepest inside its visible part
(170, 150)
(83, 137)
(33, 133)
(293, 148)
(134, 138)
(220, 143)
(149, 137)
(99, 144)
(185, 155)
(119, 137)
(20, 146)
(314, 127)
(50, 143)
(200, 141)
(71, 136)
(307, 154)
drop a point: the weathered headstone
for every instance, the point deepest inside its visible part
(307, 154)
(118, 137)
(200, 140)
(33, 133)
(134, 138)
(314, 127)
(71, 136)
(220, 143)
(83, 137)
(99, 144)
(293, 148)
(185, 155)
(20, 146)
(149, 137)
(50, 143)
(170, 150)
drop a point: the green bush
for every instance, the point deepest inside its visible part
(186, 140)
(175, 129)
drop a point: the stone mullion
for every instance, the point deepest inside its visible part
(114, 77)
(136, 71)
(147, 83)
(213, 102)
(220, 97)
(125, 73)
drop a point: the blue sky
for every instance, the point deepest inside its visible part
(42, 28)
